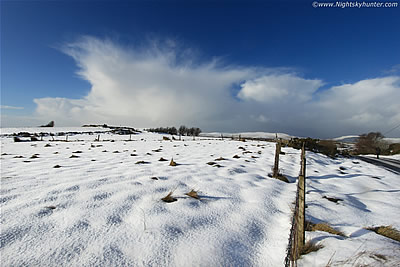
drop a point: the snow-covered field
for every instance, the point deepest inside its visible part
(101, 208)
(86, 203)
(369, 196)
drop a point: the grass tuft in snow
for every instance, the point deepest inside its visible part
(378, 256)
(280, 177)
(333, 199)
(387, 231)
(193, 194)
(309, 247)
(169, 198)
(172, 163)
(324, 227)
(142, 162)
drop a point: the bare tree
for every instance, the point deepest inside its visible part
(370, 143)
(197, 131)
(182, 130)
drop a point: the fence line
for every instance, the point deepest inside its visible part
(297, 231)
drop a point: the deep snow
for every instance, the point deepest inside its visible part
(101, 208)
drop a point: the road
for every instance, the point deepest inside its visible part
(391, 164)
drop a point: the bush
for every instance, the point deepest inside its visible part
(326, 147)
(394, 149)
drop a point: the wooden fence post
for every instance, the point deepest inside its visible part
(302, 199)
(275, 172)
(301, 217)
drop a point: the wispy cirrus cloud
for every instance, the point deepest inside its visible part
(10, 107)
(155, 85)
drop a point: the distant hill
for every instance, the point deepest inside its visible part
(347, 139)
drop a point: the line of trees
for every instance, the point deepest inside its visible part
(183, 130)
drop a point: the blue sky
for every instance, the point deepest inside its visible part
(264, 47)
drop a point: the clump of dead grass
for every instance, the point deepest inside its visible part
(142, 162)
(378, 256)
(333, 199)
(172, 163)
(193, 194)
(387, 231)
(309, 247)
(324, 227)
(280, 177)
(169, 198)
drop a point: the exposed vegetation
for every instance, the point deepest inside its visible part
(387, 231)
(326, 147)
(309, 247)
(371, 143)
(183, 130)
(172, 163)
(323, 227)
(169, 198)
(142, 162)
(193, 194)
(333, 199)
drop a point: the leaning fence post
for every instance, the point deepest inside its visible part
(276, 163)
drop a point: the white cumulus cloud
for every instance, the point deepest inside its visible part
(270, 88)
(160, 84)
